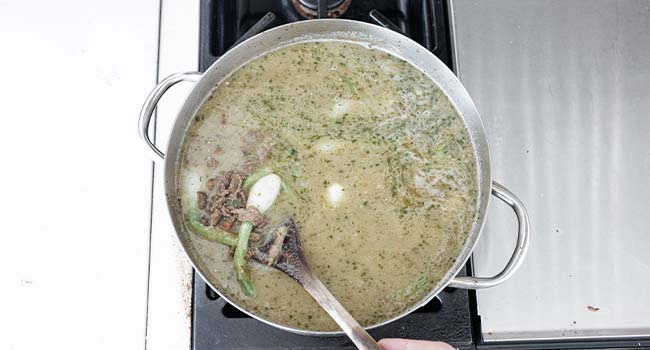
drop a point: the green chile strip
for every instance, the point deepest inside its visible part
(252, 178)
(240, 259)
(210, 233)
(226, 238)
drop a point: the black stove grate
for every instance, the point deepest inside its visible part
(217, 324)
(223, 23)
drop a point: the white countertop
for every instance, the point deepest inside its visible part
(76, 181)
(170, 281)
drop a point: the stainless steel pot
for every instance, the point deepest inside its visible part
(371, 36)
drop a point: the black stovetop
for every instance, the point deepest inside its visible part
(223, 23)
(217, 324)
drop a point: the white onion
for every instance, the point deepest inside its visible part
(264, 192)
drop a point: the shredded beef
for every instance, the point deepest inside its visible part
(255, 237)
(234, 186)
(212, 163)
(215, 218)
(241, 195)
(224, 203)
(275, 247)
(203, 198)
(251, 214)
(205, 220)
(227, 223)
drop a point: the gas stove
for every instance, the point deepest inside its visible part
(223, 24)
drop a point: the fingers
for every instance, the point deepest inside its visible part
(408, 344)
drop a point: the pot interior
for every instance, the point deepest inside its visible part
(203, 254)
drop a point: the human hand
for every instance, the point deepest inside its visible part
(410, 344)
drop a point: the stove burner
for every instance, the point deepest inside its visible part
(321, 8)
(332, 4)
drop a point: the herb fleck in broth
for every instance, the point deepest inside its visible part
(380, 159)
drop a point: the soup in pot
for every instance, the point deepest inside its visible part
(378, 173)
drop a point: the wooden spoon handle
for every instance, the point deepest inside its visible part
(342, 317)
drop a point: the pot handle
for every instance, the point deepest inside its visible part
(517, 255)
(150, 105)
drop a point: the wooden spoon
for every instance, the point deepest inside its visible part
(282, 250)
(291, 260)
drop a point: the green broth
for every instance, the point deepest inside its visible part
(381, 161)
